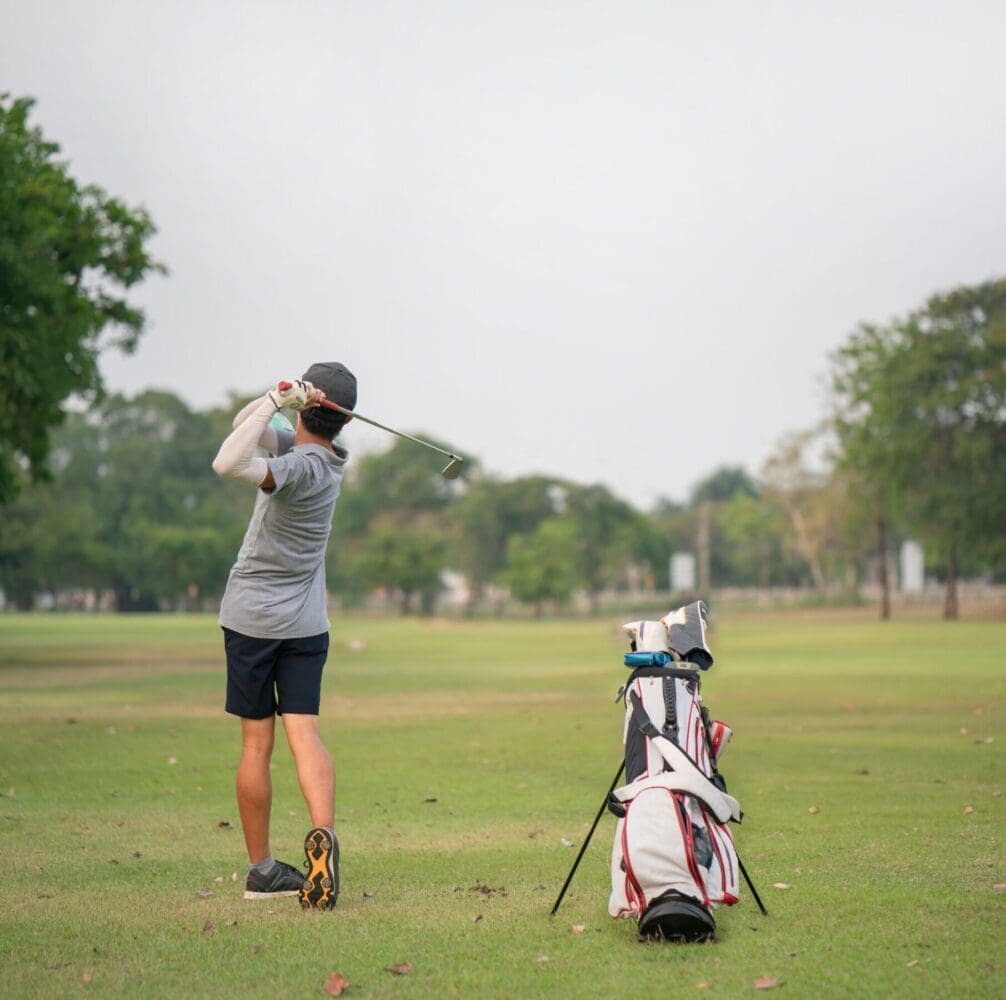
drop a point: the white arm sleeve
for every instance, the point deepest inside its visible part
(236, 458)
(269, 439)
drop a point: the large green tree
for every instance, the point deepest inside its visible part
(490, 513)
(68, 253)
(921, 416)
(541, 566)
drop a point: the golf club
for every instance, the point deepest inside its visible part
(449, 471)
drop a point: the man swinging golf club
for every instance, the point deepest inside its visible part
(275, 623)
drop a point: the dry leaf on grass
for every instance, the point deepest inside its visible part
(812, 810)
(968, 810)
(402, 969)
(204, 893)
(476, 918)
(1000, 887)
(541, 959)
(565, 842)
(336, 985)
(780, 885)
(578, 928)
(208, 927)
(912, 964)
(985, 739)
(702, 986)
(766, 983)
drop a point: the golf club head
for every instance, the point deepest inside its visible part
(452, 468)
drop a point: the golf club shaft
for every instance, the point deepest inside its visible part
(328, 404)
(597, 819)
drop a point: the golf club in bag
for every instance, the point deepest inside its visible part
(449, 471)
(673, 859)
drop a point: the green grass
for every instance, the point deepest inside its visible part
(512, 728)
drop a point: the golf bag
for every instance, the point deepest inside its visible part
(673, 860)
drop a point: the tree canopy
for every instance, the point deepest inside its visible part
(68, 253)
(921, 416)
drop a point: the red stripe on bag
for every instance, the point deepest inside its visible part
(689, 842)
(635, 892)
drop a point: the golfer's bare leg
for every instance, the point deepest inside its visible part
(314, 767)
(254, 784)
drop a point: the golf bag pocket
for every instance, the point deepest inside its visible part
(668, 841)
(719, 737)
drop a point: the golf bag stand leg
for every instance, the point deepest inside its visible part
(754, 891)
(597, 819)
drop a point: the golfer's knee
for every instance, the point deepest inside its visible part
(257, 738)
(302, 730)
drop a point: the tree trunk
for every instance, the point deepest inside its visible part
(885, 581)
(804, 544)
(950, 607)
(427, 602)
(405, 599)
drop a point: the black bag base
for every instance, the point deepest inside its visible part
(674, 917)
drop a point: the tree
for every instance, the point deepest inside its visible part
(724, 484)
(490, 513)
(406, 558)
(67, 254)
(132, 506)
(753, 536)
(921, 414)
(788, 479)
(610, 535)
(541, 566)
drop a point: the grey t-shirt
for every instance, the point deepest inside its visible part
(276, 589)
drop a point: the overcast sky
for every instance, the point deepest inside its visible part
(609, 241)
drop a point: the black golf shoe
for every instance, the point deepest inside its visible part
(283, 880)
(320, 887)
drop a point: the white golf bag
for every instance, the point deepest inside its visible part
(673, 860)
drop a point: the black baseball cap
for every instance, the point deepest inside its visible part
(335, 380)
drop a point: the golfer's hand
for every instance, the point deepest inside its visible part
(314, 397)
(294, 394)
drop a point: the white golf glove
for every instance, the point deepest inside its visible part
(291, 394)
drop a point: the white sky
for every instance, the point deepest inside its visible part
(610, 241)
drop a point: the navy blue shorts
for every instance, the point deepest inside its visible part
(272, 676)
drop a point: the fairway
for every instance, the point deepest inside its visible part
(868, 759)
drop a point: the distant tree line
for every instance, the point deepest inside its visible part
(917, 448)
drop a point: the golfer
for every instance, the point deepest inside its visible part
(275, 622)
